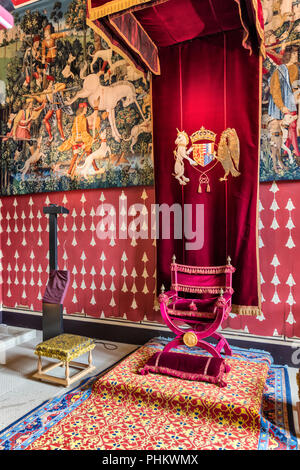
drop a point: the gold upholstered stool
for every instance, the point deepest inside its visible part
(64, 348)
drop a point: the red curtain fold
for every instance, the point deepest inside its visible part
(190, 92)
(251, 17)
(105, 29)
(136, 37)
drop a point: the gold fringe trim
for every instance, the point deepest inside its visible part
(246, 310)
(202, 269)
(112, 7)
(246, 31)
(259, 30)
(258, 186)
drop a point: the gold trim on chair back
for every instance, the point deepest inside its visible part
(184, 278)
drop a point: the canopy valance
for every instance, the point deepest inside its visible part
(142, 26)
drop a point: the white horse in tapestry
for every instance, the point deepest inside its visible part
(107, 98)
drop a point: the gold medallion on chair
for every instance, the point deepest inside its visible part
(190, 339)
(204, 153)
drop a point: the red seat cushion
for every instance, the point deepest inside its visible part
(194, 308)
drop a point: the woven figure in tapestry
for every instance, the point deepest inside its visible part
(52, 100)
(198, 302)
(79, 138)
(205, 157)
(49, 47)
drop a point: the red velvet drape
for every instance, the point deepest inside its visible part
(212, 82)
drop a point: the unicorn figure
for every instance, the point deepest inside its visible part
(180, 154)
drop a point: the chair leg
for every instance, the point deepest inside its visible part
(213, 350)
(201, 344)
(222, 344)
(209, 348)
(173, 344)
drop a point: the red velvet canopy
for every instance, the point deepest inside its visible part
(206, 57)
(143, 25)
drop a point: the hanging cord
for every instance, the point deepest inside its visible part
(181, 128)
(225, 115)
(225, 127)
(180, 88)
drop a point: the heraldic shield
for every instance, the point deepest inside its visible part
(203, 154)
(203, 144)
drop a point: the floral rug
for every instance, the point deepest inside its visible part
(125, 410)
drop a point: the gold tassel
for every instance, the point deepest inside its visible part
(207, 188)
(199, 188)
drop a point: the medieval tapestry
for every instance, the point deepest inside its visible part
(75, 114)
(280, 146)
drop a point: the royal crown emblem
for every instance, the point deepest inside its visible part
(203, 134)
(203, 151)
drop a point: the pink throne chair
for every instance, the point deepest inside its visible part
(198, 302)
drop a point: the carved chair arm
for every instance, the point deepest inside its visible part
(166, 296)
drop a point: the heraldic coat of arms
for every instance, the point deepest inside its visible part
(204, 155)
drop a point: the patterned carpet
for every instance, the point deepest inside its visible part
(124, 410)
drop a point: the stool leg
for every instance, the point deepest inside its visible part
(67, 372)
(90, 358)
(39, 364)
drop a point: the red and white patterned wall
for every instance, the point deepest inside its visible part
(116, 278)
(279, 254)
(109, 278)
